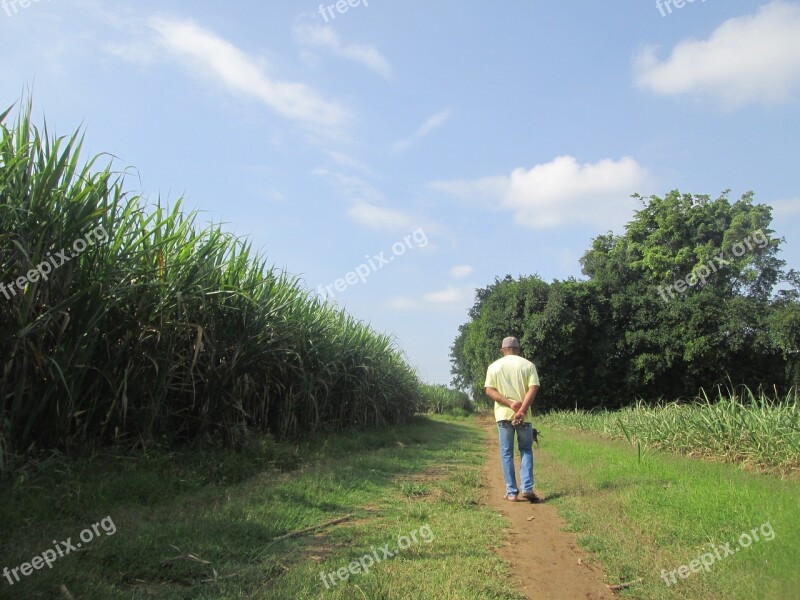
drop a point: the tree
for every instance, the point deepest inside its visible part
(683, 299)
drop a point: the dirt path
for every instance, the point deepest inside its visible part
(545, 561)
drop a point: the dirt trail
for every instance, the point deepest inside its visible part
(546, 562)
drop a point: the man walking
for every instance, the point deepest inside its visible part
(512, 382)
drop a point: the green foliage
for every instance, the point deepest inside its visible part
(635, 328)
(439, 399)
(736, 426)
(166, 331)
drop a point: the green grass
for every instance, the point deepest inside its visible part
(745, 428)
(216, 513)
(439, 399)
(639, 515)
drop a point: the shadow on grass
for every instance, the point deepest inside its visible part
(191, 516)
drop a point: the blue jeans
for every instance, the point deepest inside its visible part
(525, 443)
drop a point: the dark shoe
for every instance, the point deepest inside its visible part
(532, 497)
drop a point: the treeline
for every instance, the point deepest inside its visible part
(692, 295)
(122, 322)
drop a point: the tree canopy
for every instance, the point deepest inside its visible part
(691, 295)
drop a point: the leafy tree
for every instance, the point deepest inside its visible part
(684, 299)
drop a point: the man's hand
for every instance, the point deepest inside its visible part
(515, 406)
(519, 417)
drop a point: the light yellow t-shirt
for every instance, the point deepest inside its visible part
(512, 375)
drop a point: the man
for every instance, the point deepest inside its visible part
(512, 382)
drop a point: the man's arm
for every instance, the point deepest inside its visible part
(500, 399)
(526, 403)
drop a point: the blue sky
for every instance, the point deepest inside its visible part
(431, 146)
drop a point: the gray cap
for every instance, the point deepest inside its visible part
(510, 342)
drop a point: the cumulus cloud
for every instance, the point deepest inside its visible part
(746, 60)
(558, 193)
(324, 36)
(207, 54)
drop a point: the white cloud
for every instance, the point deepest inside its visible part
(785, 209)
(210, 55)
(560, 192)
(345, 160)
(434, 122)
(461, 271)
(450, 298)
(450, 295)
(381, 217)
(350, 187)
(750, 59)
(367, 205)
(402, 303)
(133, 51)
(324, 36)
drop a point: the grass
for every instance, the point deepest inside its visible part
(741, 427)
(641, 514)
(202, 523)
(439, 399)
(162, 331)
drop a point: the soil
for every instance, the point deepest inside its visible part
(545, 561)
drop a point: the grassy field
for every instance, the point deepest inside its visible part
(202, 524)
(641, 515)
(743, 427)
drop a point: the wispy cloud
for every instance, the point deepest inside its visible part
(786, 208)
(450, 295)
(461, 271)
(368, 207)
(434, 122)
(324, 36)
(349, 186)
(402, 303)
(345, 160)
(558, 193)
(450, 298)
(753, 59)
(207, 54)
(381, 218)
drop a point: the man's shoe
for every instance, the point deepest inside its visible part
(510, 497)
(532, 497)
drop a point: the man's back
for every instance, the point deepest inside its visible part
(512, 375)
